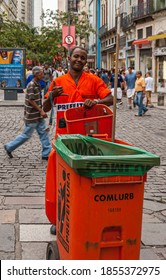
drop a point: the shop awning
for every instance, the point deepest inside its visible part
(155, 37)
(141, 42)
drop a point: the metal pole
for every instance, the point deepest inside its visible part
(68, 34)
(116, 73)
(98, 47)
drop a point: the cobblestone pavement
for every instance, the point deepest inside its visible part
(24, 228)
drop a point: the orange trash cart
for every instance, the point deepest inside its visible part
(98, 216)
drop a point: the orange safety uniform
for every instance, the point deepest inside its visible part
(88, 87)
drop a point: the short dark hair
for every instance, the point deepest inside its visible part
(139, 72)
(77, 47)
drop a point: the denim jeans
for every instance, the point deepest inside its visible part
(27, 133)
(139, 102)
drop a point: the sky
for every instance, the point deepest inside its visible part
(50, 4)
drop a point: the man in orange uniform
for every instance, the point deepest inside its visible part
(76, 88)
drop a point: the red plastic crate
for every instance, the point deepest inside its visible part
(97, 120)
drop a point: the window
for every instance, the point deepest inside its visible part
(140, 33)
(149, 31)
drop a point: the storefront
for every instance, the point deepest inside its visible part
(122, 59)
(145, 61)
(160, 54)
(130, 57)
(143, 53)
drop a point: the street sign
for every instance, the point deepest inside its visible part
(68, 36)
(69, 39)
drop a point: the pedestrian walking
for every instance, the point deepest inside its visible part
(80, 88)
(140, 93)
(34, 116)
(119, 87)
(148, 89)
(130, 84)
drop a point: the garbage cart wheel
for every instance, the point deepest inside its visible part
(52, 251)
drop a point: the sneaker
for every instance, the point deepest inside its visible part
(151, 106)
(138, 115)
(145, 111)
(8, 153)
(120, 103)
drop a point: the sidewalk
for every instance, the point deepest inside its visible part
(12, 103)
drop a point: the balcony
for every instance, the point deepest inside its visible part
(103, 30)
(143, 10)
(126, 22)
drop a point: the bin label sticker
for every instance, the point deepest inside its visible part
(63, 222)
(65, 106)
(113, 197)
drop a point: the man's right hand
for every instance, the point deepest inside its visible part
(57, 91)
(43, 114)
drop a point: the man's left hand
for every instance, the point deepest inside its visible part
(89, 103)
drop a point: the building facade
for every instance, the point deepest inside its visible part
(9, 8)
(142, 36)
(25, 11)
(38, 11)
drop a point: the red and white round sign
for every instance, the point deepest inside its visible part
(69, 39)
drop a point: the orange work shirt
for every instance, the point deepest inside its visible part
(88, 87)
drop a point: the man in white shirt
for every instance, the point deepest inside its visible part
(59, 72)
(148, 89)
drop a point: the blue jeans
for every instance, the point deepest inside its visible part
(139, 102)
(27, 133)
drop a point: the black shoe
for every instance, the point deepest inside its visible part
(8, 153)
(138, 115)
(45, 158)
(145, 111)
(53, 229)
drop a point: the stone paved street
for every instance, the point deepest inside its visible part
(24, 228)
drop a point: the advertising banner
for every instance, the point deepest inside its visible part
(12, 68)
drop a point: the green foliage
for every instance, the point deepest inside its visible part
(43, 45)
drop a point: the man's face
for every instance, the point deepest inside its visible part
(78, 60)
(40, 75)
(130, 70)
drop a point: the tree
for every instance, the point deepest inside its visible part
(45, 44)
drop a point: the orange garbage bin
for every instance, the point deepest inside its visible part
(100, 188)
